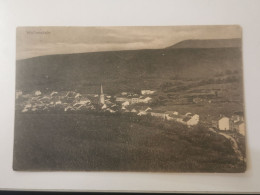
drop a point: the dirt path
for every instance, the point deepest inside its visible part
(233, 143)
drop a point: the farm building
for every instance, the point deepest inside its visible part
(18, 94)
(147, 92)
(240, 127)
(194, 120)
(224, 124)
(159, 115)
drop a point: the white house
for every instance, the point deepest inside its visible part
(68, 108)
(58, 102)
(159, 115)
(121, 99)
(169, 118)
(134, 110)
(148, 109)
(188, 114)
(224, 124)
(194, 120)
(142, 112)
(126, 103)
(38, 93)
(147, 92)
(135, 100)
(104, 106)
(78, 95)
(54, 93)
(18, 94)
(147, 100)
(175, 113)
(240, 127)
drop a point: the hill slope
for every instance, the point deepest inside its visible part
(123, 70)
(209, 43)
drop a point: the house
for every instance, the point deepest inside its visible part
(194, 120)
(83, 101)
(121, 99)
(69, 108)
(54, 93)
(147, 100)
(240, 127)
(37, 93)
(224, 124)
(147, 92)
(141, 100)
(18, 94)
(134, 110)
(148, 109)
(78, 95)
(175, 113)
(135, 100)
(159, 115)
(110, 110)
(25, 110)
(70, 94)
(141, 113)
(104, 106)
(108, 102)
(169, 118)
(126, 103)
(58, 102)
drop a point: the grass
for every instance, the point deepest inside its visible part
(106, 142)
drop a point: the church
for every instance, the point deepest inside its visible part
(102, 99)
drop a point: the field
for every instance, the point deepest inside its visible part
(119, 142)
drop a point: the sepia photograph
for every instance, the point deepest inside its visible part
(130, 99)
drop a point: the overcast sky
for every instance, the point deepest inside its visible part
(40, 41)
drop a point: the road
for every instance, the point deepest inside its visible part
(233, 143)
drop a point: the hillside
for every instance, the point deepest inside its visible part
(77, 142)
(209, 43)
(123, 70)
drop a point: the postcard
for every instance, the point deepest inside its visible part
(131, 99)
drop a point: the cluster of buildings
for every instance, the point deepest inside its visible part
(128, 101)
(125, 102)
(188, 119)
(234, 123)
(67, 101)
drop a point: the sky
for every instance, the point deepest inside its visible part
(40, 41)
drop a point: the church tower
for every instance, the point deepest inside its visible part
(102, 97)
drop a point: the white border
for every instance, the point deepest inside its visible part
(129, 13)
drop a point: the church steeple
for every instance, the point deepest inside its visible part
(102, 97)
(101, 90)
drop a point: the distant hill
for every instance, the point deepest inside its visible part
(125, 70)
(210, 43)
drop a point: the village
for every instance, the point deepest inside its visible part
(125, 102)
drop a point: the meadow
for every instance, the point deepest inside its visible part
(117, 142)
